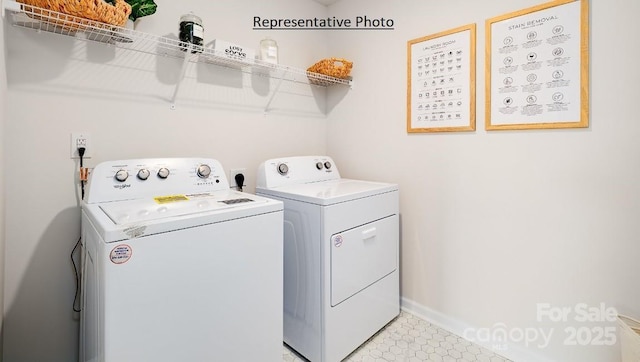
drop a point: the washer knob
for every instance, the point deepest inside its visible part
(203, 171)
(327, 165)
(163, 173)
(283, 169)
(319, 165)
(121, 175)
(143, 174)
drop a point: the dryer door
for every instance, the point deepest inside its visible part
(361, 256)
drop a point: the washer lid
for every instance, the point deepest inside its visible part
(330, 192)
(135, 211)
(123, 220)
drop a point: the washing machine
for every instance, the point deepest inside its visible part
(341, 272)
(176, 266)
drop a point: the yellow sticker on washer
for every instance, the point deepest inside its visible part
(170, 198)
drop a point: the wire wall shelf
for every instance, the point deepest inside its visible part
(40, 19)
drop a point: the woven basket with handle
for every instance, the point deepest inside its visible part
(333, 67)
(97, 10)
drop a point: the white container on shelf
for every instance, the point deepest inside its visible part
(269, 51)
(225, 49)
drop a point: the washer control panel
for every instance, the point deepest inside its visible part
(141, 178)
(296, 170)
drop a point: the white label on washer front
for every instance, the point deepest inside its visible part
(135, 231)
(337, 240)
(121, 254)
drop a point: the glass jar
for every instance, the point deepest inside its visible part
(269, 51)
(191, 33)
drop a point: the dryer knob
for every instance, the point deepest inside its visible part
(327, 165)
(203, 171)
(121, 175)
(319, 165)
(283, 169)
(143, 174)
(163, 173)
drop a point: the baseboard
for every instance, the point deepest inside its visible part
(514, 352)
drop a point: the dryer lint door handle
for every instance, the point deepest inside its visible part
(369, 233)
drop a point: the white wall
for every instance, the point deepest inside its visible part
(57, 86)
(495, 222)
(3, 95)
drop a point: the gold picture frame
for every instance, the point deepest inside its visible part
(537, 67)
(441, 81)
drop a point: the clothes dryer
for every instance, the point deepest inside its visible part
(341, 272)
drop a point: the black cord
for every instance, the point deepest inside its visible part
(81, 154)
(73, 262)
(77, 275)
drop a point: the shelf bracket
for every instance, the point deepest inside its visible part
(183, 70)
(273, 94)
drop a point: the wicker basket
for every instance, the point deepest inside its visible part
(333, 67)
(95, 10)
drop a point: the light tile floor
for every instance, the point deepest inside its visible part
(408, 339)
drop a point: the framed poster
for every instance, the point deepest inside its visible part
(537, 67)
(441, 81)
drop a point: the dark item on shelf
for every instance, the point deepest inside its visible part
(80, 10)
(191, 33)
(332, 67)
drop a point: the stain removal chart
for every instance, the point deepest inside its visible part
(441, 81)
(537, 67)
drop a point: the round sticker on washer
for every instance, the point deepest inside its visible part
(337, 240)
(121, 254)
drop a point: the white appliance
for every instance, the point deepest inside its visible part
(341, 277)
(178, 267)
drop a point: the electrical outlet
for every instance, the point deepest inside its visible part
(232, 177)
(81, 139)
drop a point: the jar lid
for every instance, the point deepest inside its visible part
(192, 18)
